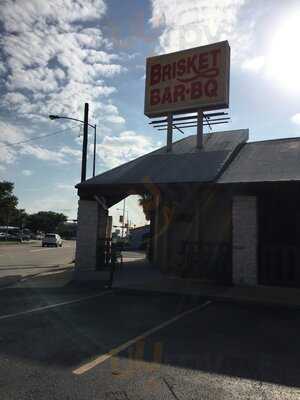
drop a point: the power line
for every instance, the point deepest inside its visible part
(34, 138)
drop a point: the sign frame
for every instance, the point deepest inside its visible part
(183, 109)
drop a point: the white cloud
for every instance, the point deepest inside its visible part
(189, 23)
(115, 150)
(296, 119)
(52, 59)
(9, 134)
(27, 172)
(115, 119)
(2, 70)
(71, 152)
(12, 99)
(66, 186)
(254, 64)
(42, 153)
(60, 201)
(18, 15)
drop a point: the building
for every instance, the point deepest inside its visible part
(139, 237)
(226, 213)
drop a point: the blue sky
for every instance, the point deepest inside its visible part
(57, 54)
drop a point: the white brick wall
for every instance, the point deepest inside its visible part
(91, 226)
(244, 224)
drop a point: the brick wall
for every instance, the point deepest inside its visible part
(92, 221)
(87, 234)
(244, 240)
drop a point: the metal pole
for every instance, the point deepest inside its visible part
(123, 224)
(200, 129)
(94, 160)
(170, 132)
(85, 142)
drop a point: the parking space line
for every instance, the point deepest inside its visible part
(104, 357)
(48, 307)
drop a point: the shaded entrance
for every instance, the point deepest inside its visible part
(279, 237)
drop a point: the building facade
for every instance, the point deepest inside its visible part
(226, 213)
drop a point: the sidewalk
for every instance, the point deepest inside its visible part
(142, 277)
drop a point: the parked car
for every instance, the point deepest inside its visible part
(52, 239)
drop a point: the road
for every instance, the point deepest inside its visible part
(19, 261)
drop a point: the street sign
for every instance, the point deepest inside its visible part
(188, 80)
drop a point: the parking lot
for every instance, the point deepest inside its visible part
(64, 342)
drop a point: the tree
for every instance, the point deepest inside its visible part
(67, 230)
(146, 201)
(8, 202)
(45, 221)
(18, 217)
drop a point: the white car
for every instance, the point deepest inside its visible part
(52, 239)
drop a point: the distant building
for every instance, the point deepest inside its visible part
(139, 237)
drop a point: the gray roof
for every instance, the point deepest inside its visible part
(265, 161)
(185, 163)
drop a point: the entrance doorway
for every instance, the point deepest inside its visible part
(279, 241)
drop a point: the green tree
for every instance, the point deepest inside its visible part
(45, 221)
(8, 202)
(146, 201)
(18, 217)
(67, 230)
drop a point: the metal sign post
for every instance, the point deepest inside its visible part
(200, 129)
(170, 132)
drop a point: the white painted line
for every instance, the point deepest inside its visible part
(64, 303)
(104, 357)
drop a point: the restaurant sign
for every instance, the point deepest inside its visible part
(188, 80)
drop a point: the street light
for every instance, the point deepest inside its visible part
(84, 148)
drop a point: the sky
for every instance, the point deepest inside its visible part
(58, 54)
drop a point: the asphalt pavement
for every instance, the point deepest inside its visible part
(23, 260)
(67, 342)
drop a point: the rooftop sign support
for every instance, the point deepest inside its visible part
(193, 80)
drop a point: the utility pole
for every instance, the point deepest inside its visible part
(85, 142)
(94, 159)
(123, 225)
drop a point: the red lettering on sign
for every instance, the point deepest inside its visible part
(181, 67)
(154, 97)
(179, 93)
(211, 88)
(196, 90)
(155, 74)
(203, 61)
(167, 98)
(166, 72)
